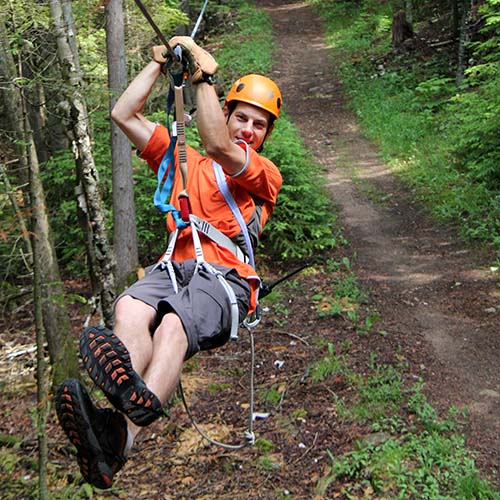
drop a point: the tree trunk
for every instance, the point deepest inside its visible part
(41, 375)
(99, 253)
(409, 11)
(401, 29)
(455, 17)
(463, 39)
(62, 349)
(124, 221)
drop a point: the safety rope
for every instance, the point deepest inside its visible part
(248, 435)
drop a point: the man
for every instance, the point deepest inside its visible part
(181, 306)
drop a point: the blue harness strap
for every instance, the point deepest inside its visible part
(165, 178)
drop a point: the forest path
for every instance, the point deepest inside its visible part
(433, 294)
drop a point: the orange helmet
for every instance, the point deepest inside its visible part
(257, 90)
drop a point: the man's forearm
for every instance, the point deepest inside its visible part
(128, 110)
(134, 98)
(213, 131)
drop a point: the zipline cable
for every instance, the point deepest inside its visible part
(143, 9)
(197, 25)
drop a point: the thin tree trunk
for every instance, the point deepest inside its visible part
(41, 375)
(19, 215)
(99, 252)
(463, 40)
(409, 11)
(124, 221)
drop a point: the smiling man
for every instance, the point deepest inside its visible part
(204, 285)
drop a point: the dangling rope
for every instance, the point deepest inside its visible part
(249, 434)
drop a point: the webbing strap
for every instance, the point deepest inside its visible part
(224, 189)
(254, 320)
(166, 263)
(215, 235)
(165, 176)
(200, 261)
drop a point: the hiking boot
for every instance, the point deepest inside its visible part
(108, 363)
(99, 435)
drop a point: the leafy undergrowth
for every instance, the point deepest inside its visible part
(440, 137)
(341, 413)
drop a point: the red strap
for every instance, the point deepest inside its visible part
(185, 208)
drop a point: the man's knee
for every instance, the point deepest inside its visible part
(133, 311)
(171, 330)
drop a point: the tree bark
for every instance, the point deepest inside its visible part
(124, 221)
(91, 213)
(463, 39)
(62, 349)
(401, 29)
(41, 376)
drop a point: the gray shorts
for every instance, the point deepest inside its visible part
(201, 303)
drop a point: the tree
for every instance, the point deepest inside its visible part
(42, 390)
(401, 29)
(465, 11)
(56, 321)
(124, 221)
(90, 209)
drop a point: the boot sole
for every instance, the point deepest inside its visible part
(73, 413)
(108, 363)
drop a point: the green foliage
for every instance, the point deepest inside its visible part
(442, 140)
(328, 366)
(247, 48)
(473, 122)
(264, 445)
(340, 293)
(304, 221)
(379, 394)
(429, 466)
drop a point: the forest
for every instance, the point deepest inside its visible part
(78, 225)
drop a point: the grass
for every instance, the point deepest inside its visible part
(408, 455)
(410, 450)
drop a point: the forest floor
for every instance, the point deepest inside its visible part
(439, 308)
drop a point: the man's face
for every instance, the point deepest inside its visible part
(248, 123)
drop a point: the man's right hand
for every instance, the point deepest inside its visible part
(159, 53)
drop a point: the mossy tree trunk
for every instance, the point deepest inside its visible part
(89, 200)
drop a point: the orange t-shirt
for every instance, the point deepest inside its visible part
(255, 191)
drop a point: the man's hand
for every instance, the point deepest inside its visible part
(201, 63)
(160, 54)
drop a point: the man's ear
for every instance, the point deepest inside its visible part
(225, 111)
(269, 130)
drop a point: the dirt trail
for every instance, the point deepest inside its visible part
(432, 293)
